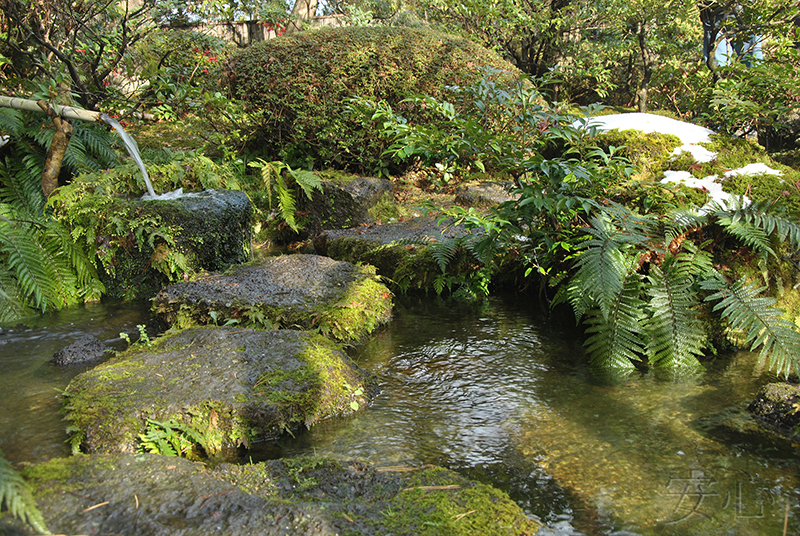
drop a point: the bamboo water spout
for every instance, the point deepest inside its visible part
(70, 112)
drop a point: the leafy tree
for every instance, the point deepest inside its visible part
(78, 47)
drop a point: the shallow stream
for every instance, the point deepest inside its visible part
(500, 395)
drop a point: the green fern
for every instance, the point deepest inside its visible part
(272, 177)
(603, 266)
(170, 438)
(675, 335)
(613, 339)
(16, 497)
(757, 322)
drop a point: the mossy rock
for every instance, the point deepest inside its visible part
(406, 253)
(163, 496)
(302, 83)
(209, 230)
(338, 299)
(345, 201)
(231, 386)
(777, 406)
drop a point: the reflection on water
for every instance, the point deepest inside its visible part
(499, 395)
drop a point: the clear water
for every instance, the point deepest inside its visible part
(32, 426)
(500, 395)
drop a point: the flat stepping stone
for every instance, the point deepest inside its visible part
(217, 388)
(310, 292)
(157, 495)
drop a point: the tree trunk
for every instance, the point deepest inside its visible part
(647, 67)
(304, 9)
(55, 155)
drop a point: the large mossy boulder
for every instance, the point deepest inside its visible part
(410, 253)
(338, 299)
(220, 388)
(154, 495)
(344, 201)
(777, 406)
(302, 84)
(145, 244)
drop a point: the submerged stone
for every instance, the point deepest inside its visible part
(87, 348)
(217, 388)
(777, 406)
(155, 495)
(338, 299)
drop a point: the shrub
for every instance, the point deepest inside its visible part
(303, 82)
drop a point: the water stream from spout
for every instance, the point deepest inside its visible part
(133, 150)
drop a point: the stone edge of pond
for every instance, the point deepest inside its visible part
(228, 386)
(160, 495)
(777, 407)
(360, 305)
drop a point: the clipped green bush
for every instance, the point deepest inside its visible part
(302, 84)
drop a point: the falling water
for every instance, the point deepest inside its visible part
(133, 150)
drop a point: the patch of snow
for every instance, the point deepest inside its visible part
(753, 169)
(709, 184)
(649, 123)
(698, 152)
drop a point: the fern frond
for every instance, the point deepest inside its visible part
(308, 180)
(676, 337)
(286, 202)
(21, 188)
(614, 340)
(751, 235)
(444, 251)
(16, 496)
(602, 267)
(98, 143)
(12, 303)
(11, 122)
(679, 221)
(757, 321)
(27, 259)
(693, 261)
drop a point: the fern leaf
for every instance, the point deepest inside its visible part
(614, 340)
(17, 497)
(11, 122)
(308, 180)
(444, 251)
(602, 268)
(676, 337)
(27, 259)
(286, 202)
(751, 235)
(758, 322)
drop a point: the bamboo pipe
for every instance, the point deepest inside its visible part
(67, 112)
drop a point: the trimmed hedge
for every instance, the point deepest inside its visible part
(303, 82)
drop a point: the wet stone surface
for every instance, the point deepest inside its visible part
(153, 495)
(338, 299)
(776, 406)
(230, 386)
(84, 350)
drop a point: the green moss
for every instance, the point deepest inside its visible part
(323, 384)
(303, 84)
(437, 502)
(366, 305)
(649, 152)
